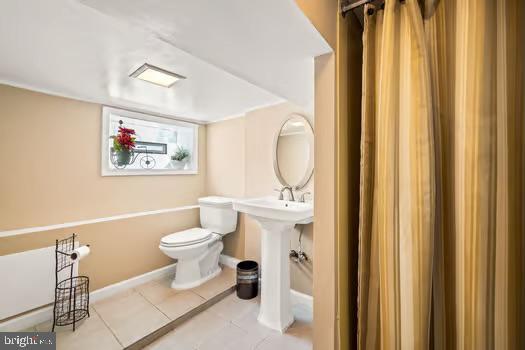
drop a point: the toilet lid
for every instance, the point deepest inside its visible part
(186, 237)
(215, 201)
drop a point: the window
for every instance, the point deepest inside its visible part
(140, 144)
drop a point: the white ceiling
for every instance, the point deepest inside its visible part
(236, 54)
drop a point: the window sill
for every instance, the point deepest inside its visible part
(159, 172)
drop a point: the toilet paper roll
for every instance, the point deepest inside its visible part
(80, 253)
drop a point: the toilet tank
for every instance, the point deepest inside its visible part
(217, 214)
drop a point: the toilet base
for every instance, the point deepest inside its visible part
(193, 270)
(193, 284)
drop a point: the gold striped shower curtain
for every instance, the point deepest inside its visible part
(442, 212)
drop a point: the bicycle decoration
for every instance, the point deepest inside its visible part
(126, 149)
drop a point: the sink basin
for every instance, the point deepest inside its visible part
(274, 209)
(277, 220)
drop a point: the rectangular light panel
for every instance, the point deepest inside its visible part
(156, 75)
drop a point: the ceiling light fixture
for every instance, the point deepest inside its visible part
(156, 75)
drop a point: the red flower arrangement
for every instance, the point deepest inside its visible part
(124, 141)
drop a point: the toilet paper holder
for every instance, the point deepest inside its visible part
(71, 293)
(80, 252)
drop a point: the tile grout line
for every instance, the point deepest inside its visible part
(162, 312)
(247, 332)
(174, 323)
(200, 296)
(155, 306)
(259, 343)
(108, 327)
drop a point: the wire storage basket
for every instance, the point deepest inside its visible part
(71, 294)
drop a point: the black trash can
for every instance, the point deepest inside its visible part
(247, 279)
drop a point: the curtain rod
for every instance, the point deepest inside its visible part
(345, 8)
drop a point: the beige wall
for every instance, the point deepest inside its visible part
(119, 249)
(252, 137)
(51, 175)
(337, 113)
(226, 172)
(226, 157)
(261, 128)
(51, 166)
(324, 291)
(324, 15)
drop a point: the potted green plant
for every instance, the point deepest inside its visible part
(123, 145)
(180, 158)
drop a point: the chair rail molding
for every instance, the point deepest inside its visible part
(26, 230)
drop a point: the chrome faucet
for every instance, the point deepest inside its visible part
(301, 198)
(292, 198)
(281, 197)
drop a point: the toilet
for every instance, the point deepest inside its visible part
(197, 249)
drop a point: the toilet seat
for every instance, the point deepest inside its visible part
(187, 237)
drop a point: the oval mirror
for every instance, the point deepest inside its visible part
(293, 157)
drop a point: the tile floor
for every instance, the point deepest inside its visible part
(232, 324)
(125, 318)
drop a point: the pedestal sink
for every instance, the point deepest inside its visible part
(277, 219)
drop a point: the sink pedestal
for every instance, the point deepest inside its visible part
(276, 308)
(277, 218)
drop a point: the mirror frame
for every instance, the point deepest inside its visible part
(309, 171)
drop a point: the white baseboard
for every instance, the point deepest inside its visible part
(28, 320)
(229, 261)
(44, 314)
(297, 297)
(113, 289)
(301, 298)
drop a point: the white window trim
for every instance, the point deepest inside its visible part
(106, 171)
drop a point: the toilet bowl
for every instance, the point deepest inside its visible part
(197, 249)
